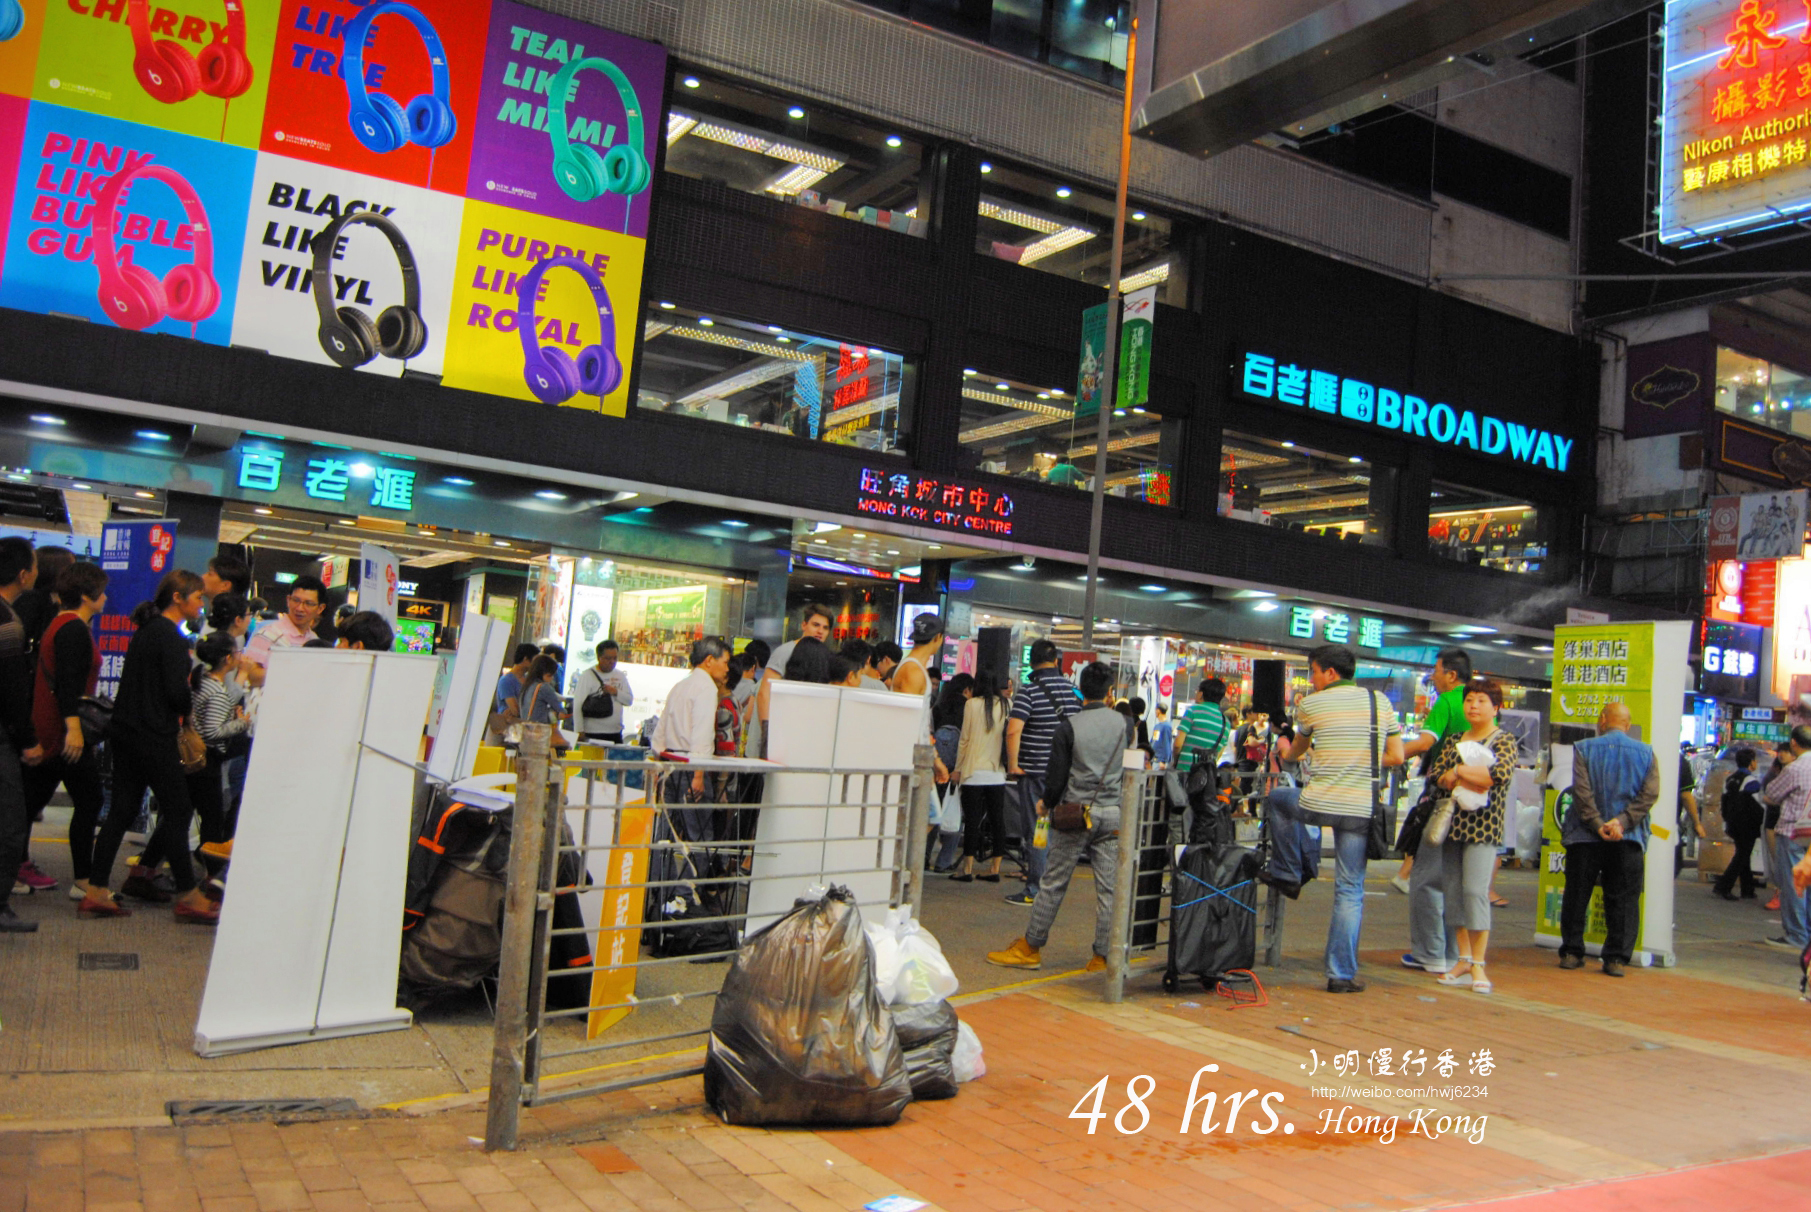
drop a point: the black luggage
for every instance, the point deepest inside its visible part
(1213, 914)
(1200, 794)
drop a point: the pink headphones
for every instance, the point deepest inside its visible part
(131, 295)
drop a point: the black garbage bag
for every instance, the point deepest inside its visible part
(927, 1036)
(799, 1034)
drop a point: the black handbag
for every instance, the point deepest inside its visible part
(1377, 840)
(96, 713)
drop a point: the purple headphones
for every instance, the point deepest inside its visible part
(552, 374)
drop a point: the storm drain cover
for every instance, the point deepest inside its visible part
(107, 961)
(255, 1109)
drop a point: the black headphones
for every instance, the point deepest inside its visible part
(347, 334)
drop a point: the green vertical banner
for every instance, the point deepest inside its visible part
(1135, 347)
(1094, 345)
(1133, 368)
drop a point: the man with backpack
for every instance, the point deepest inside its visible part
(1742, 815)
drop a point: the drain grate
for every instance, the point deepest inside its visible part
(258, 1108)
(107, 961)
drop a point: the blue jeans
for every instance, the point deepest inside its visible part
(1289, 861)
(1025, 796)
(1786, 852)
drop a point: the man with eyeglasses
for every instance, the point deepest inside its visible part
(295, 626)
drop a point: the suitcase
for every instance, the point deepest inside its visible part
(1213, 914)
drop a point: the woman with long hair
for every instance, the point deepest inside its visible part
(981, 773)
(69, 668)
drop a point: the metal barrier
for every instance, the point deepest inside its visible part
(1141, 904)
(740, 862)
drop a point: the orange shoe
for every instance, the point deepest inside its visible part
(1096, 963)
(102, 908)
(200, 917)
(1020, 955)
(218, 850)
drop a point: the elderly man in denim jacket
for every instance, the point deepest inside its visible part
(1615, 781)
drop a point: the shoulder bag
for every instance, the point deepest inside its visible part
(1377, 840)
(600, 703)
(191, 750)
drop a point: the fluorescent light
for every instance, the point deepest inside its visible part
(500, 542)
(44, 418)
(666, 307)
(1138, 216)
(1265, 607)
(1062, 191)
(736, 524)
(690, 82)
(894, 141)
(796, 180)
(968, 374)
(152, 435)
(795, 113)
(774, 328)
(1003, 386)
(1155, 588)
(262, 510)
(677, 126)
(934, 547)
(1354, 459)
(1288, 445)
(706, 322)
(548, 494)
(458, 480)
(143, 495)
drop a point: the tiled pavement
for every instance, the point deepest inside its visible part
(1594, 1079)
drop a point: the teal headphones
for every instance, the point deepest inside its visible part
(580, 170)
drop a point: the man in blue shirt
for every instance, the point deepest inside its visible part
(1615, 781)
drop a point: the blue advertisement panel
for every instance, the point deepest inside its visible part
(135, 556)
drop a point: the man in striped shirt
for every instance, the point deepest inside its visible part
(1349, 750)
(1046, 700)
(1201, 733)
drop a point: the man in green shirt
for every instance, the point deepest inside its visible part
(1201, 732)
(1432, 944)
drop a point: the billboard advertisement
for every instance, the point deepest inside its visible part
(1735, 117)
(377, 185)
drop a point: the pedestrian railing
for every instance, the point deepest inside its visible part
(678, 862)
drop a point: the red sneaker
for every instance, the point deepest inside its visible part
(38, 881)
(1773, 904)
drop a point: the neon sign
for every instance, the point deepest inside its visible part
(931, 501)
(1265, 378)
(1735, 117)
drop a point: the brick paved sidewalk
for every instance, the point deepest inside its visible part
(1593, 1080)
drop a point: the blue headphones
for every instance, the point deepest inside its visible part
(379, 122)
(12, 20)
(552, 374)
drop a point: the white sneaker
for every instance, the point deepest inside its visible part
(21, 888)
(77, 892)
(1399, 884)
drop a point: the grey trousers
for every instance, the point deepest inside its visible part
(1432, 940)
(1102, 845)
(1467, 868)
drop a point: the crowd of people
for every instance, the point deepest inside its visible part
(170, 746)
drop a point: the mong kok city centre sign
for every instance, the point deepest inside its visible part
(1265, 378)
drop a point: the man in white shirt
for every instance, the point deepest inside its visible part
(606, 679)
(293, 628)
(688, 727)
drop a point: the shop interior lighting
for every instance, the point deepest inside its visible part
(261, 510)
(754, 141)
(548, 494)
(145, 496)
(460, 480)
(1129, 442)
(653, 328)
(795, 113)
(986, 167)
(44, 418)
(152, 435)
(1057, 235)
(690, 82)
(795, 180)
(667, 306)
(735, 523)
(707, 322)
(677, 126)
(1069, 237)
(895, 141)
(1145, 277)
(1062, 191)
(1138, 216)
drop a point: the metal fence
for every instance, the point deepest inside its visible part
(679, 861)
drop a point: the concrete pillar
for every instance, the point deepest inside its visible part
(197, 529)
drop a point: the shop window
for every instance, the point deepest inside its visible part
(1085, 37)
(1763, 392)
(796, 151)
(1066, 230)
(762, 376)
(1479, 527)
(1020, 429)
(1343, 498)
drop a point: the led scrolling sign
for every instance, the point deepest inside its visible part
(1735, 142)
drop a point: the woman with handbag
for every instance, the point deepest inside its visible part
(541, 699)
(981, 773)
(148, 715)
(68, 671)
(1475, 771)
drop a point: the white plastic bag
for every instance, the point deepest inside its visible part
(1473, 753)
(924, 975)
(946, 811)
(886, 958)
(967, 1062)
(1528, 832)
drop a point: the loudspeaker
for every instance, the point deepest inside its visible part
(993, 653)
(1267, 689)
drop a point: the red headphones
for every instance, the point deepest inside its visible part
(170, 74)
(130, 294)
